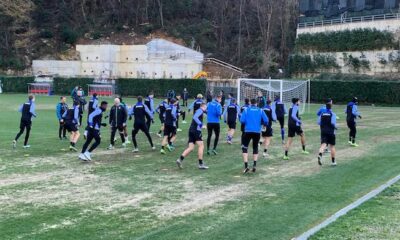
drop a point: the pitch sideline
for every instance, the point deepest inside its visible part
(348, 208)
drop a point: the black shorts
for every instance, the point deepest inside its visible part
(25, 123)
(267, 133)
(351, 124)
(195, 136)
(232, 125)
(329, 139)
(242, 126)
(281, 121)
(119, 128)
(216, 127)
(295, 130)
(71, 127)
(161, 119)
(169, 130)
(247, 137)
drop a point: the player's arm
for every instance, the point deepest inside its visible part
(274, 118)
(58, 112)
(152, 105)
(355, 112)
(174, 112)
(111, 116)
(295, 109)
(76, 115)
(191, 106)
(243, 117)
(32, 110)
(148, 111)
(93, 115)
(196, 117)
(333, 120)
(319, 120)
(124, 117)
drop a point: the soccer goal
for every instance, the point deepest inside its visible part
(285, 89)
(101, 89)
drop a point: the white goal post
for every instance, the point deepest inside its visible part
(285, 89)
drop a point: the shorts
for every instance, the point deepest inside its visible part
(267, 133)
(351, 124)
(169, 131)
(281, 121)
(232, 125)
(120, 128)
(195, 136)
(25, 124)
(162, 120)
(247, 137)
(293, 131)
(329, 139)
(242, 127)
(71, 127)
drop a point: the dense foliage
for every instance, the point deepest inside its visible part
(15, 84)
(348, 40)
(354, 77)
(383, 92)
(63, 86)
(309, 64)
(254, 34)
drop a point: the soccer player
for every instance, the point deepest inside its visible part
(140, 111)
(230, 117)
(170, 119)
(149, 102)
(214, 112)
(196, 104)
(242, 109)
(180, 113)
(117, 121)
(294, 127)
(123, 104)
(80, 96)
(71, 120)
(280, 110)
(27, 111)
(209, 96)
(61, 108)
(322, 110)
(267, 132)
(253, 117)
(260, 100)
(95, 123)
(327, 122)
(351, 116)
(161, 110)
(93, 102)
(185, 97)
(195, 137)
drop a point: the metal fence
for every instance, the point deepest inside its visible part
(337, 21)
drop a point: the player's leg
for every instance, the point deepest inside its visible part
(145, 130)
(60, 130)
(282, 125)
(134, 133)
(112, 138)
(321, 150)
(255, 140)
(97, 138)
(21, 131)
(165, 140)
(85, 146)
(303, 142)
(217, 131)
(64, 131)
(148, 122)
(349, 125)
(200, 153)
(186, 152)
(333, 154)
(267, 142)
(354, 133)
(245, 148)
(183, 114)
(287, 147)
(28, 131)
(122, 135)
(210, 128)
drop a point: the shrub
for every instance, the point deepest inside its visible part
(15, 84)
(46, 34)
(68, 35)
(63, 86)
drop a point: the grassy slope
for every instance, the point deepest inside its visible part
(156, 201)
(376, 219)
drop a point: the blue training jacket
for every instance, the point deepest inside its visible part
(214, 112)
(253, 117)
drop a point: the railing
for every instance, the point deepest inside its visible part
(370, 18)
(222, 63)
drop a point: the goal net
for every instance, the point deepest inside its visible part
(285, 89)
(107, 90)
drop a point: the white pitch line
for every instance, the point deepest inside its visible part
(348, 208)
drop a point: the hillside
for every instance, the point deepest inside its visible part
(256, 35)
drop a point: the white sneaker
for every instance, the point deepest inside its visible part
(27, 146)
(124, 144)
(265, 154)
(179, 130)
(334, 164)
(135, 150)
(203, 167)
(184, 122)
(153, 148)
(14, 144)
(127, 141)
(111, 147)
(179, 163)
(87, 155)
(82, 157)
(159, 135)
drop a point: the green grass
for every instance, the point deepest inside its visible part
(376, 219)
(51, 195)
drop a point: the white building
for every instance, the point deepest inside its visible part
(157, 59)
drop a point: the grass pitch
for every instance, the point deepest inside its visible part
(51, 195)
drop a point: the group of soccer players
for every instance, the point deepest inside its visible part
(256, 117)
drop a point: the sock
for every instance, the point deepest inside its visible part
(246, 165)
(333, 159)
(162, 147)
(200, 162)
(283, 133)
(73, 144)
(304, 147)
(159, 132)
(265, 150)
(182, 157)
(286, 153)
(320, 154)
(254, 163)
(350, 140)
